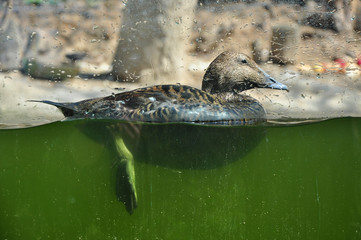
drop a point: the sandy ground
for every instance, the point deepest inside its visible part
(232, 27)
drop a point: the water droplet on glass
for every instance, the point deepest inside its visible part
(178, 20)
(32, 34)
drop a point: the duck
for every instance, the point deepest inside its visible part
(219, 102)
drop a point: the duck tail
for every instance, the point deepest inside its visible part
(67, 109)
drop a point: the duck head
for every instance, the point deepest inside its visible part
(236, 72)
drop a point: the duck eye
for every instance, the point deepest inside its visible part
(243, 60)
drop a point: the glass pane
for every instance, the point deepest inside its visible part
(180, 119)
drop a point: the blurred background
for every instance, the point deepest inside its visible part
(72, 50)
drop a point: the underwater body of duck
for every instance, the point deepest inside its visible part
(218, 103)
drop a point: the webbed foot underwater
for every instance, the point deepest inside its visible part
(220, 102)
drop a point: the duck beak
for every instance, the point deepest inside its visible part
(274, 84)
(270, 82)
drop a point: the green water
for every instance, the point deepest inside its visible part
(296, 182)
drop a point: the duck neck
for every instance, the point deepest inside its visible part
(230, 97)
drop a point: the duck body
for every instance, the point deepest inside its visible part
(168, 103)
(180, 146)
(219, 102)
